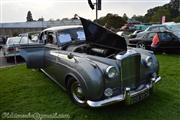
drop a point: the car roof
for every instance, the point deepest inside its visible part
(157, 25)
(17, 37)
(58, 28)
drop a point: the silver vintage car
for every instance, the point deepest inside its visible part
(93, 64)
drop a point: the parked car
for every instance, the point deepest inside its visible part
(173, 27)
(134, 34)
(11, 48)
(2, 41)
(168, 42)
(153, 28)
(93, 64)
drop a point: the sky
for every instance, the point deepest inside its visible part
(16, 10)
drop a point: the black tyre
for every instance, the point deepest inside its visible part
(8, 59)
(75, 92)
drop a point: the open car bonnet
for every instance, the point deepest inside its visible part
(98, 35)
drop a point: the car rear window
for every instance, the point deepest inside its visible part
(14, 40)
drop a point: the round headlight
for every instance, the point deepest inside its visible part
(149, 61)
(111, 72)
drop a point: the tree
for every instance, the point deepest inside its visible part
(170, 10)
(138, 18)
(29, 17)
(51, 20)
(41, 19)
(111, 21)
(158, 15)
(125, 17)
(58, 19)
(177, 19)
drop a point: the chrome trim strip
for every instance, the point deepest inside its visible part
(121, 97)
(52, 79)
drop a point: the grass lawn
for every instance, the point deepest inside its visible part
(24, 90)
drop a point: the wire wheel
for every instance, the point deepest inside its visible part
(77, 92)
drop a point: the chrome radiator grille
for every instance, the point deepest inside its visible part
(130, 71)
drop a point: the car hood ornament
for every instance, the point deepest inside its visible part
(98, 35)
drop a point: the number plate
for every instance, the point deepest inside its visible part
(139, 97)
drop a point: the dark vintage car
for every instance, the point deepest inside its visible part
(93, 64)
(168, 42)
(11, 48)
(153, 28)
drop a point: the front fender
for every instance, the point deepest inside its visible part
(144, 54)
(93, 79)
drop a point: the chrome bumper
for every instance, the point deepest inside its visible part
(127, 94)
(12, 54)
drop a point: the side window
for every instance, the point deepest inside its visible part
(42, 37)
(150, 36)
(165, 36)
(48, 37)
(173, 37)
(51, 38)
(24, 40)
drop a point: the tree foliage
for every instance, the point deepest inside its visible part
(29, 17)
(170, 10)
(159, 14)
(41, 19)
(138, 18)
(111, 21)
(177, 19)
(125, 17)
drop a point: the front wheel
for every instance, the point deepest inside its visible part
(140, 45)
(76, 93)
(8, 59)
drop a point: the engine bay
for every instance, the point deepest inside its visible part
(94, 50)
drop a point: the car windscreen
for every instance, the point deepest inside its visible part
(67, 36)
(14, 40)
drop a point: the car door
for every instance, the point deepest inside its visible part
(167, 41)
(63, 65)
(175, 42)
(34, 55)
(51, 53)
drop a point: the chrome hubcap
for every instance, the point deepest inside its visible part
(77, 93)
(141, 46)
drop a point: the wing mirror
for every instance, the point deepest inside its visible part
(70, 56)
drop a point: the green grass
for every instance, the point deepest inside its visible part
(24, 90)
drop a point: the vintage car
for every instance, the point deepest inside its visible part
(93, 64)
(11, 48)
